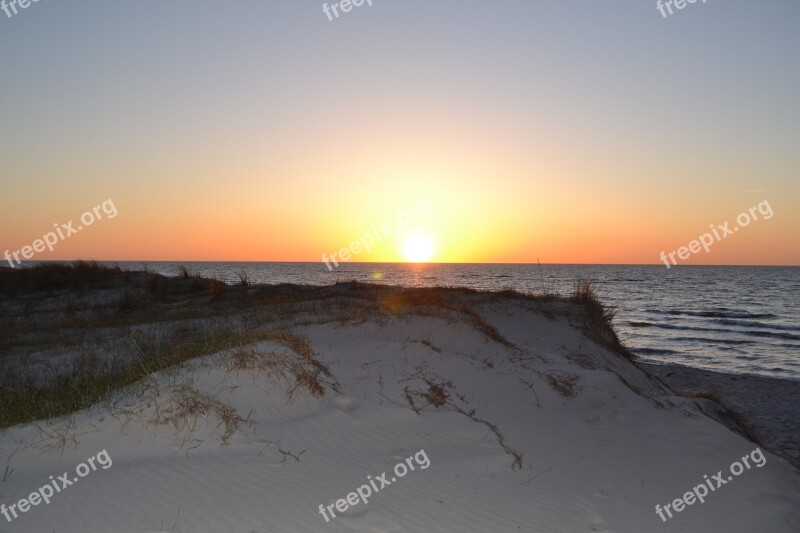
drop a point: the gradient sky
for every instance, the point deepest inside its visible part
(568, 131)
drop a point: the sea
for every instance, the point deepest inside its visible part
(735, 319)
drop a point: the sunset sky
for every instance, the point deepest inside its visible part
(568, 131)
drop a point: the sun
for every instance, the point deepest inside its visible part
(418, 248)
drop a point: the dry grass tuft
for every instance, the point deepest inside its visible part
(218, 289)
(310, 372)
(429, 343)
(189, 407)
(299, 344)
(270, 363)
(599, 319)
(198, 282)
(244, 279)
(183, 272)
(565, 385)
(437, 394)
(308, 379)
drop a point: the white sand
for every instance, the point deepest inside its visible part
(598, 461)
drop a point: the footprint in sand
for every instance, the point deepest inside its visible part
(605, 492)
(595, 420)
(345, 403)
(354, 511)
(598, 524)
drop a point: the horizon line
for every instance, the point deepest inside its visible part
(399, 263)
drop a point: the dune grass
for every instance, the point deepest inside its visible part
(203, 317)
(599, 319)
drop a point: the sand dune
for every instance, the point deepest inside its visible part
(528, 424)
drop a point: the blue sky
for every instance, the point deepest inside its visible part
(127, 96)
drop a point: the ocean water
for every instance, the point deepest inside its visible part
(730, 319)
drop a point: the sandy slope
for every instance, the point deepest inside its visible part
(770, 407)
(596, 461)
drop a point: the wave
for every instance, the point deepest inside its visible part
(719, 313)
(751, 324)
(711, 341)
(642, 324)
(655, 351)
(772, 335)
(755, 333)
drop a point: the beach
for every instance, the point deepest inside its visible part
(526, 413)
(769, 407)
